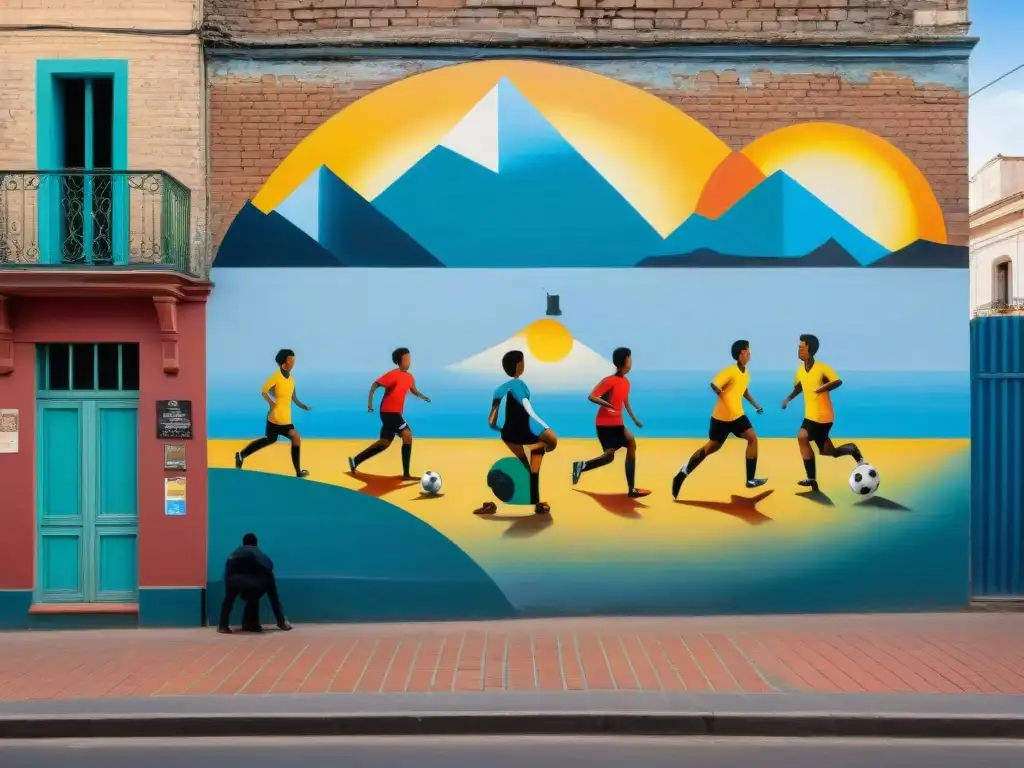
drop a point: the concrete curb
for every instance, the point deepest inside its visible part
(797, 724)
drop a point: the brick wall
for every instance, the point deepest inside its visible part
(578, 20)
(140, 14)
(166, 115)
(256, 121)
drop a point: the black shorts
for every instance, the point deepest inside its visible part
(275, 431)
(519, 437)
(612, 438)
(392, 424)
(817, 431)
(719, 431)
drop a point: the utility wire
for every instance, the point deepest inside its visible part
(993, 82)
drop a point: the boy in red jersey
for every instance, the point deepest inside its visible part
(612, 394)
(397, 383)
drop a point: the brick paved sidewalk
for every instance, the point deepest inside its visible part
(949, 654)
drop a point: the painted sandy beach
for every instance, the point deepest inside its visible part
(714, 510)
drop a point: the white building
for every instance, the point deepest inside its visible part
(997, 235)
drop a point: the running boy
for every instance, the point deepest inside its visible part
(612, 394)
(279, 392)
(397, 383)
(816, 381)
(731, 386)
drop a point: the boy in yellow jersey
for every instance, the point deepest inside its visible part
(731, 386)
(816, 381)
(279, 392)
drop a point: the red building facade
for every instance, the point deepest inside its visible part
(150, 570)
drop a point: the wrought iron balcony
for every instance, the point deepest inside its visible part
(100, 218)
(1011, 306)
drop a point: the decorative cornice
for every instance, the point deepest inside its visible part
(1011, 205)
(165, 288)
(94, 282)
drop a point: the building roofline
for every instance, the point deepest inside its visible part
(993, 161)
(993, 207)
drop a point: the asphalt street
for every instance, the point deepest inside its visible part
(513, 752)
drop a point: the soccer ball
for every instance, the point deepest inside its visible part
(864, 481)
(431, 483)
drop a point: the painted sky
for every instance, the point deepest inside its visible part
(867, 319)
(996, 114)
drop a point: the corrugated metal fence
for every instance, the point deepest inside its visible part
(997, 456)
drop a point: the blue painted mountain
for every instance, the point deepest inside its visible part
(360, 235)
(779, 218)
(545, 207)
(257, 239)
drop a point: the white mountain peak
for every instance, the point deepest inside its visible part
(475, 136)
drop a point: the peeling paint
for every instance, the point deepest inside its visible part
(348, 72)
(679, 75)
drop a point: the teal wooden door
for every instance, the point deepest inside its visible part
(87, 499)
(60, 503)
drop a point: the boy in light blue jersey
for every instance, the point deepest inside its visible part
(523, 431)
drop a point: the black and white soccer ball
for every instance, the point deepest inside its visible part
(431, 483)
(864, 481)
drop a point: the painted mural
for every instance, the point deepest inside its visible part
(513, 338)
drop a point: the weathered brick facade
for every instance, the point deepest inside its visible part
(257, 120)
(489, 21)
(260, 110)
(166, 113)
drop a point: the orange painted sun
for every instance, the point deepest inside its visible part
(549, 341)
(862, 177)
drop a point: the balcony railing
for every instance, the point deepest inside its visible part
(1014, 306)
(104, 218)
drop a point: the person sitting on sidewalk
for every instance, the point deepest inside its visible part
(249, 574)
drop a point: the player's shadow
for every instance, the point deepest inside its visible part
(522, 526)
(817, 496)
(380, 485)
(617, 503)
(880, 502)
(741, 507)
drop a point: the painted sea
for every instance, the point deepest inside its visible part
(670, 404)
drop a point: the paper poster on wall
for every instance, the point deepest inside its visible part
(174, 496)
(8, 430)
(174, 456)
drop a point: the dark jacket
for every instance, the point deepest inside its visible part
(249, 564)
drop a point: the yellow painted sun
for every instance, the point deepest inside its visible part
(549, 341)
(655, 155)
(862, 177)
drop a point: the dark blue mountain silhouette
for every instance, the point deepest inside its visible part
(257, 239)
(831, 254)
(545, 207)
(360, 235)
(924, 254)
(778, 218)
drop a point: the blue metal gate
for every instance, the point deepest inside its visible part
(997, 456)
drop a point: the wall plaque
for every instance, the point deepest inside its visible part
(174, 419)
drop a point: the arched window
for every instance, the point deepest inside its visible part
(1001, 276)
